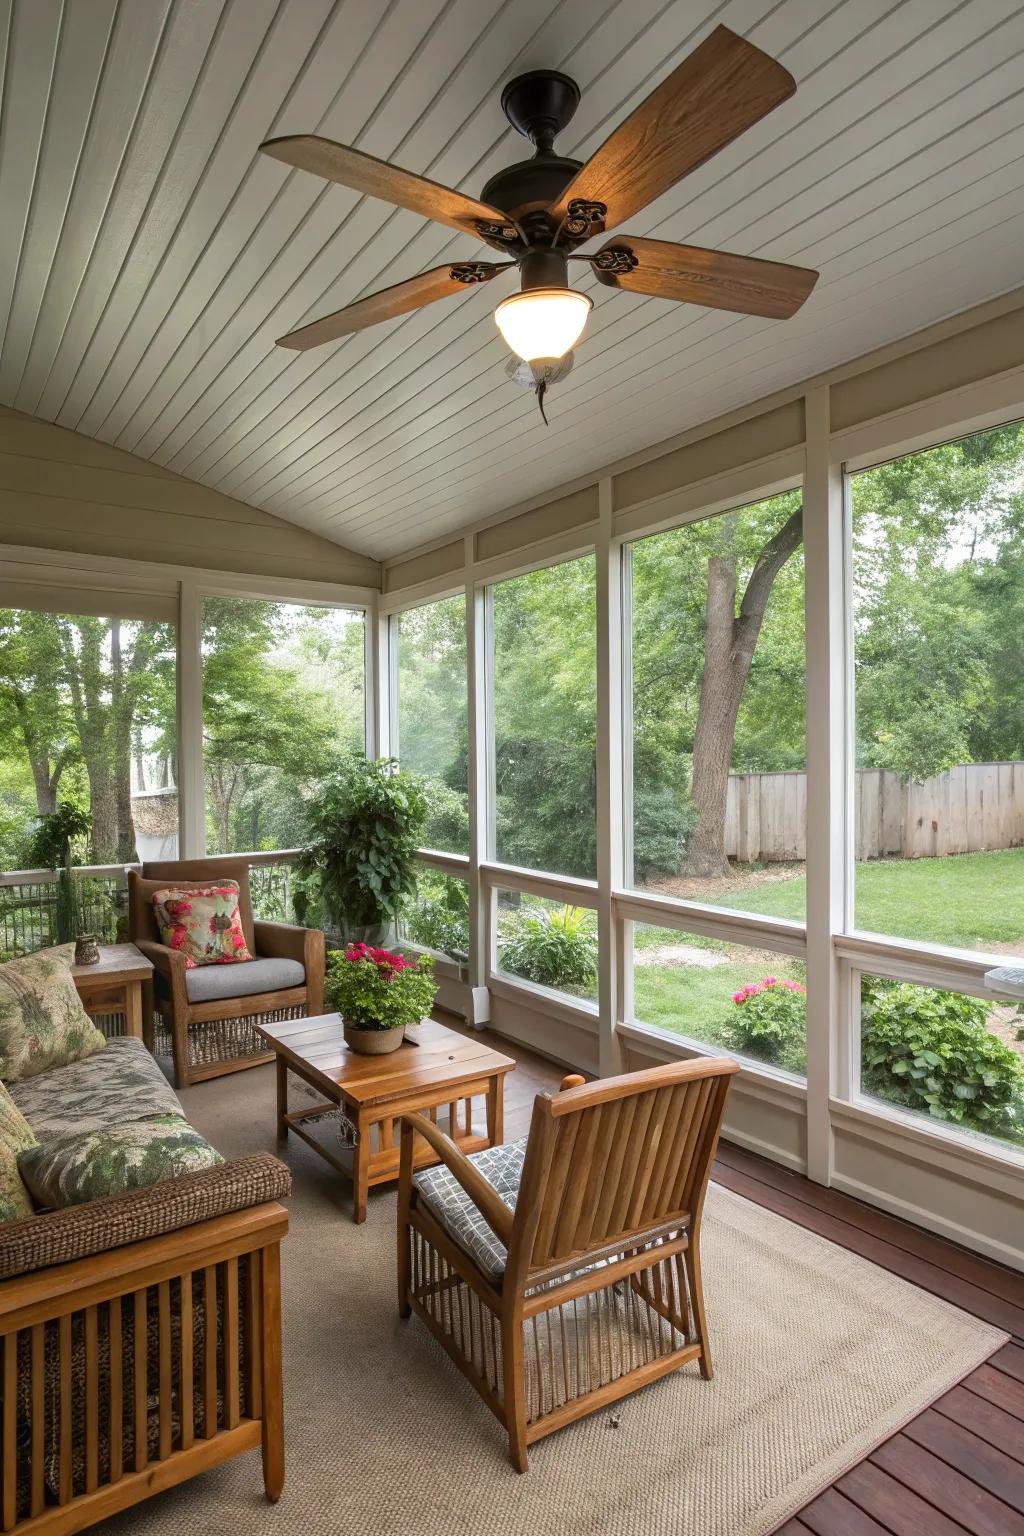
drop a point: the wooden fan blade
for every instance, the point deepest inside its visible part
(692, 275)
(414, 293)
(723, 87)
(375, 178)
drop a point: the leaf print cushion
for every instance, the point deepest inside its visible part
(16, 1135)
(42, 1021)
(76, 1168)
(204, 923)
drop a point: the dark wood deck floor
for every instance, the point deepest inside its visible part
(958, 1468)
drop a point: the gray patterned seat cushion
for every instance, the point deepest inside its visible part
(119, 1084)
(209, 983)
(437, 1188)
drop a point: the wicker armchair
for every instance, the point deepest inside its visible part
(205, 1018)
(563, 1272)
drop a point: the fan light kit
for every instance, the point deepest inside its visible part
(536, 212)
(543, 323)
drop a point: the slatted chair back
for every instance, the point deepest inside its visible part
(615, 1159)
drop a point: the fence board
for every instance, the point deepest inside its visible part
(969, 808)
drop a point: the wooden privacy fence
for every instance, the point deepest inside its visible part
(968, 809)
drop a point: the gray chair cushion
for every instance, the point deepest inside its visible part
(119, 1084)
(210, 983)
(448, 1201)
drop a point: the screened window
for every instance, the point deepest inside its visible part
(437, 916)
(429, 715)
(728, 996)
(87, 739)
(551, 943)
(718, 710)
(954, 1059)
(545, 718)
(938, 621)
(283, 700)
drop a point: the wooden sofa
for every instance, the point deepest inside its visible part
(140, 1344)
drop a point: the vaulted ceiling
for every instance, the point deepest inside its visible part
(149, 256)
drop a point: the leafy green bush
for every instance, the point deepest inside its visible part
(553, 948)
(365, 822)
(447, 824)
(438, 916)
(51, 844)
(375, 989)
(770, 1021)
(931, 1051)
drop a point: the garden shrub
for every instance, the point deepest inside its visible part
(931, 1051)
(438, 916)
(553, 948)
(770, 1021)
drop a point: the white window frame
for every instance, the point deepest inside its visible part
(194, 590)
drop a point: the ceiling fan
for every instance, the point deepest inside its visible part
(538, 211)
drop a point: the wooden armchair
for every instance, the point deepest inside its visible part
(563, 1272)
(206, 1016)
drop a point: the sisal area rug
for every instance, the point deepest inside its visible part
(818, 1355)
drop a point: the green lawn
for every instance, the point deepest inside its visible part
(694, 1000)
(969, 900)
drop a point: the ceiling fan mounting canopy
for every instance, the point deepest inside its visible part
(537, 212)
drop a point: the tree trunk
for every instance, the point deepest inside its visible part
(121, 748)
(729, 645)
(721, 688)
(84, 667)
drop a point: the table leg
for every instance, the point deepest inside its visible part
(361, 1168)
(282, 1098)
(133, 1009)
(495, 1109)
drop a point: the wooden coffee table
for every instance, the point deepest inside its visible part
(441, 1069)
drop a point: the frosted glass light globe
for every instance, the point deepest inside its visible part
(543, 322)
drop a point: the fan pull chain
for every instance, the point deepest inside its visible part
(541, 391)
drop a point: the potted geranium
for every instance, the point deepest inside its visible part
(377, 994)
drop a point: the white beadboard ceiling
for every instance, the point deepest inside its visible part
(149, 256)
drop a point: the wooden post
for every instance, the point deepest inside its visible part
(272, 1384)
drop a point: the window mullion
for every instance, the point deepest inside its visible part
(826, 773)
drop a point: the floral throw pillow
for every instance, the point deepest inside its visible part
(16, 1135)
(42, 1021)
(82, 1166)
(204, 924)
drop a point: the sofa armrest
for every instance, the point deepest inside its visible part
(307, 945)
(113, 1221)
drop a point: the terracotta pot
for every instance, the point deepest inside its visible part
(373, 1042)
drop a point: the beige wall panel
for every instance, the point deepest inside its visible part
(425, 567)
(773, 1127)
(970, 1204)
(62, 491)
(572, 511)
(984, 350)
(757, 438)
(574, 1046)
